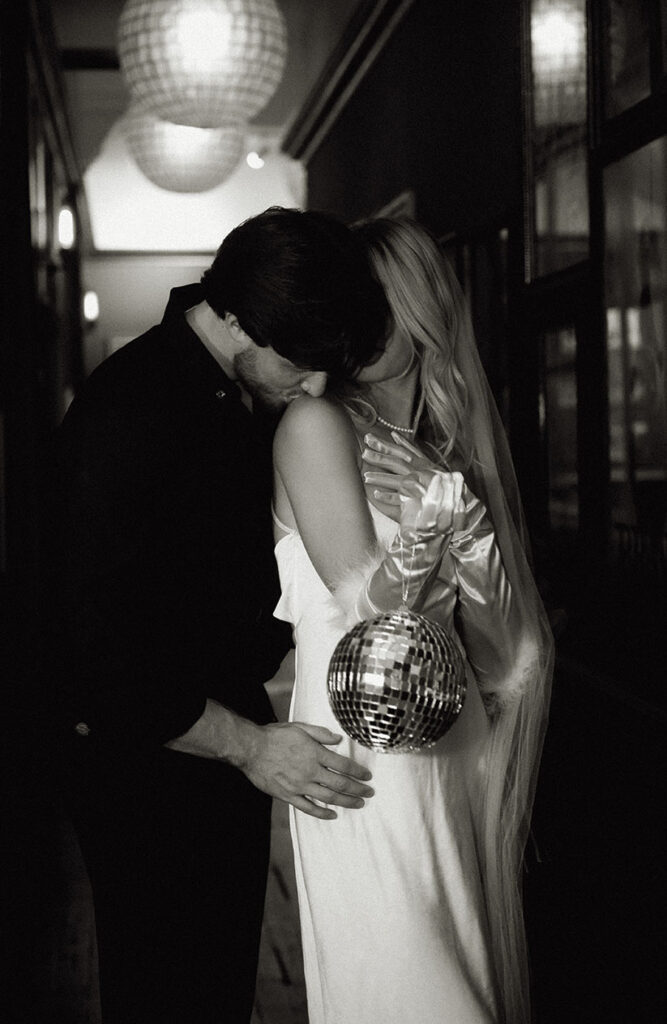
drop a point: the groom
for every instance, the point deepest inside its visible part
(160, 631)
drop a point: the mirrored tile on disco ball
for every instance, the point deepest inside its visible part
(396, 682)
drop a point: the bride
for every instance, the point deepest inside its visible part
(411, 909)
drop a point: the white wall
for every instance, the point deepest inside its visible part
(133, 291)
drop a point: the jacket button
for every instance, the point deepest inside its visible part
(82, 729)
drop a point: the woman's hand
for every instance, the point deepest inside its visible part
(395, 460)
(428, 497)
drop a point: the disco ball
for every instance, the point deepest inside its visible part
(396, 682)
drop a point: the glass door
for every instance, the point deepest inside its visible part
(635, 263)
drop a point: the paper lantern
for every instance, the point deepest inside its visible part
(202, 62)
(181, 158)
(396, 682)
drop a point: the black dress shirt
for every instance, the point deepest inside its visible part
(162, 578)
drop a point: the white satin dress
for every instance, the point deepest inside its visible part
(390, 896)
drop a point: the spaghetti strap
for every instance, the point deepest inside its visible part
(279, 523)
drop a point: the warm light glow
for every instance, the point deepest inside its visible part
(614, 330)
(181, 158)
(66, 229)
(558, 43)
(254, 160)
(634, 327)
(202, 62)
(130, 213)
(91, 306)
(203, 38)
(557, 37)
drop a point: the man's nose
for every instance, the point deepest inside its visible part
(315, 384)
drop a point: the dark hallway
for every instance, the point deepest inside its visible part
(530, 138)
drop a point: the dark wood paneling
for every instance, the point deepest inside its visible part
(436, 113)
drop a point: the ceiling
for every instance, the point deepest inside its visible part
(126, 212)
(96, 94)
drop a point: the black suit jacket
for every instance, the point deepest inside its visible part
(162, 579)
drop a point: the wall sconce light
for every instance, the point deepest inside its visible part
(254, 160)
(91, 307)
(66, 228)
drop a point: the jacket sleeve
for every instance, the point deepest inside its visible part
(112, 674)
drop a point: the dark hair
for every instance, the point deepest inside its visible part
(300, 282)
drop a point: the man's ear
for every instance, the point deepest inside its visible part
(239, 337)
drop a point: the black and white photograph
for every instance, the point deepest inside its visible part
(333, 511)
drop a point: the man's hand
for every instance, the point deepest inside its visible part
(290, 761)
(293, 763)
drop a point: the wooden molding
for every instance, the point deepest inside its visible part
(367, 33)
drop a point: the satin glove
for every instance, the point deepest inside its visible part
(428, 500)
(492, 622)
(498, 632)
(394, 466)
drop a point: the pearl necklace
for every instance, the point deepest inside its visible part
(394, 426)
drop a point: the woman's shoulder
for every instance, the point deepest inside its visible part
(314, 412)
(310, 422)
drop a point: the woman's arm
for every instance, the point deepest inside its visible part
(318, 482)
(497, 629)
(319, 488)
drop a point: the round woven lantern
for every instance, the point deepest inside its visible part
(202, 62)
(180, 158)
(396, 682)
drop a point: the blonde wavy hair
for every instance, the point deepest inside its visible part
(427, 308)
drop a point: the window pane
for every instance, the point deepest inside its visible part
(636, 284)
(627, 57)
(558, 420)
(560, 180)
